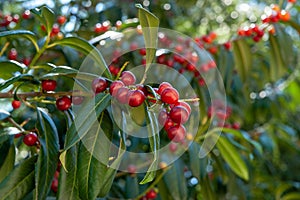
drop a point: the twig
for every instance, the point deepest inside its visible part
(47, 94)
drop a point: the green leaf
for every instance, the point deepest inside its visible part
(84, 121)
(69, 72)
(21, 33)
(243, 58)
(48, 155)
(68, 185)
(21, 77)
(291, 196)
(93, 157)
(8, 160)
(232, 157)
(46, 16)
(154, 140)
(4, 115)
(19, 182)
(8, 68)
(86, 48)
(176, 182)
(149, 23)
(277, 64)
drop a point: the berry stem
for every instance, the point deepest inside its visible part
(122, 69)
(4, 48)
(39, 94)
(13, 122)
(189, 100)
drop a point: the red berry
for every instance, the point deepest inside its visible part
(99, 85)
(77, 100)
(169, 123)
(142, 51)
(115, 86)
(131, 169)
(26, 14)
(142, 88)
(122, 95)
(18, 135)
(16, 18)
(30, 139)
(12, 54)
(162, 117)
(151, 194)
(213, 49)
(55, 29)
(236, 126)
(173, 147)
(227, 45)
(176, 133)
(163, 86)
(61, 20)
(136, 98)
(284, 15)
(63, 103)
(128, 78)
(56, 174)
(292, 1)
(170, 96)
(179, 114)
(16, 104)
(54, 185)
(48, 85)
(114, 69)
(26, 61)
(98, 28)
(186, 105)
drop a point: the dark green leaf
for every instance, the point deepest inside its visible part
(86, 48)
(46, 16)
(242, 57)
(21, 33)
(68, 185)
(86, 117)
(4, 115)
(9, 68)
(9, 82)
(154, 140)
(7, 159)
(176, 182)
(93, 157)
(48, 155)
(291, 196)
(131, 187)
(19, 182)
(232, 157)
(149, 23)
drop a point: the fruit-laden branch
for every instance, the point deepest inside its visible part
(47, 94)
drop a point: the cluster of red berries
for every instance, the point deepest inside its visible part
(8, 19)
(174, 114)
(124, 90)
(101, 28)
(13, 55)
(253, 31)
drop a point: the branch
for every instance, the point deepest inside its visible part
(47, 94)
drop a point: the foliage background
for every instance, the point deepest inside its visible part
(262, 88)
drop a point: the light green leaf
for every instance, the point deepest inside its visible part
(9, 68)
(243, 58)
(19, 182)
(232, 157)
(154, 140)
(149, 23)
(86, 48)
(277, 63)
(48, 155)
(21, 34)
(9, 82)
